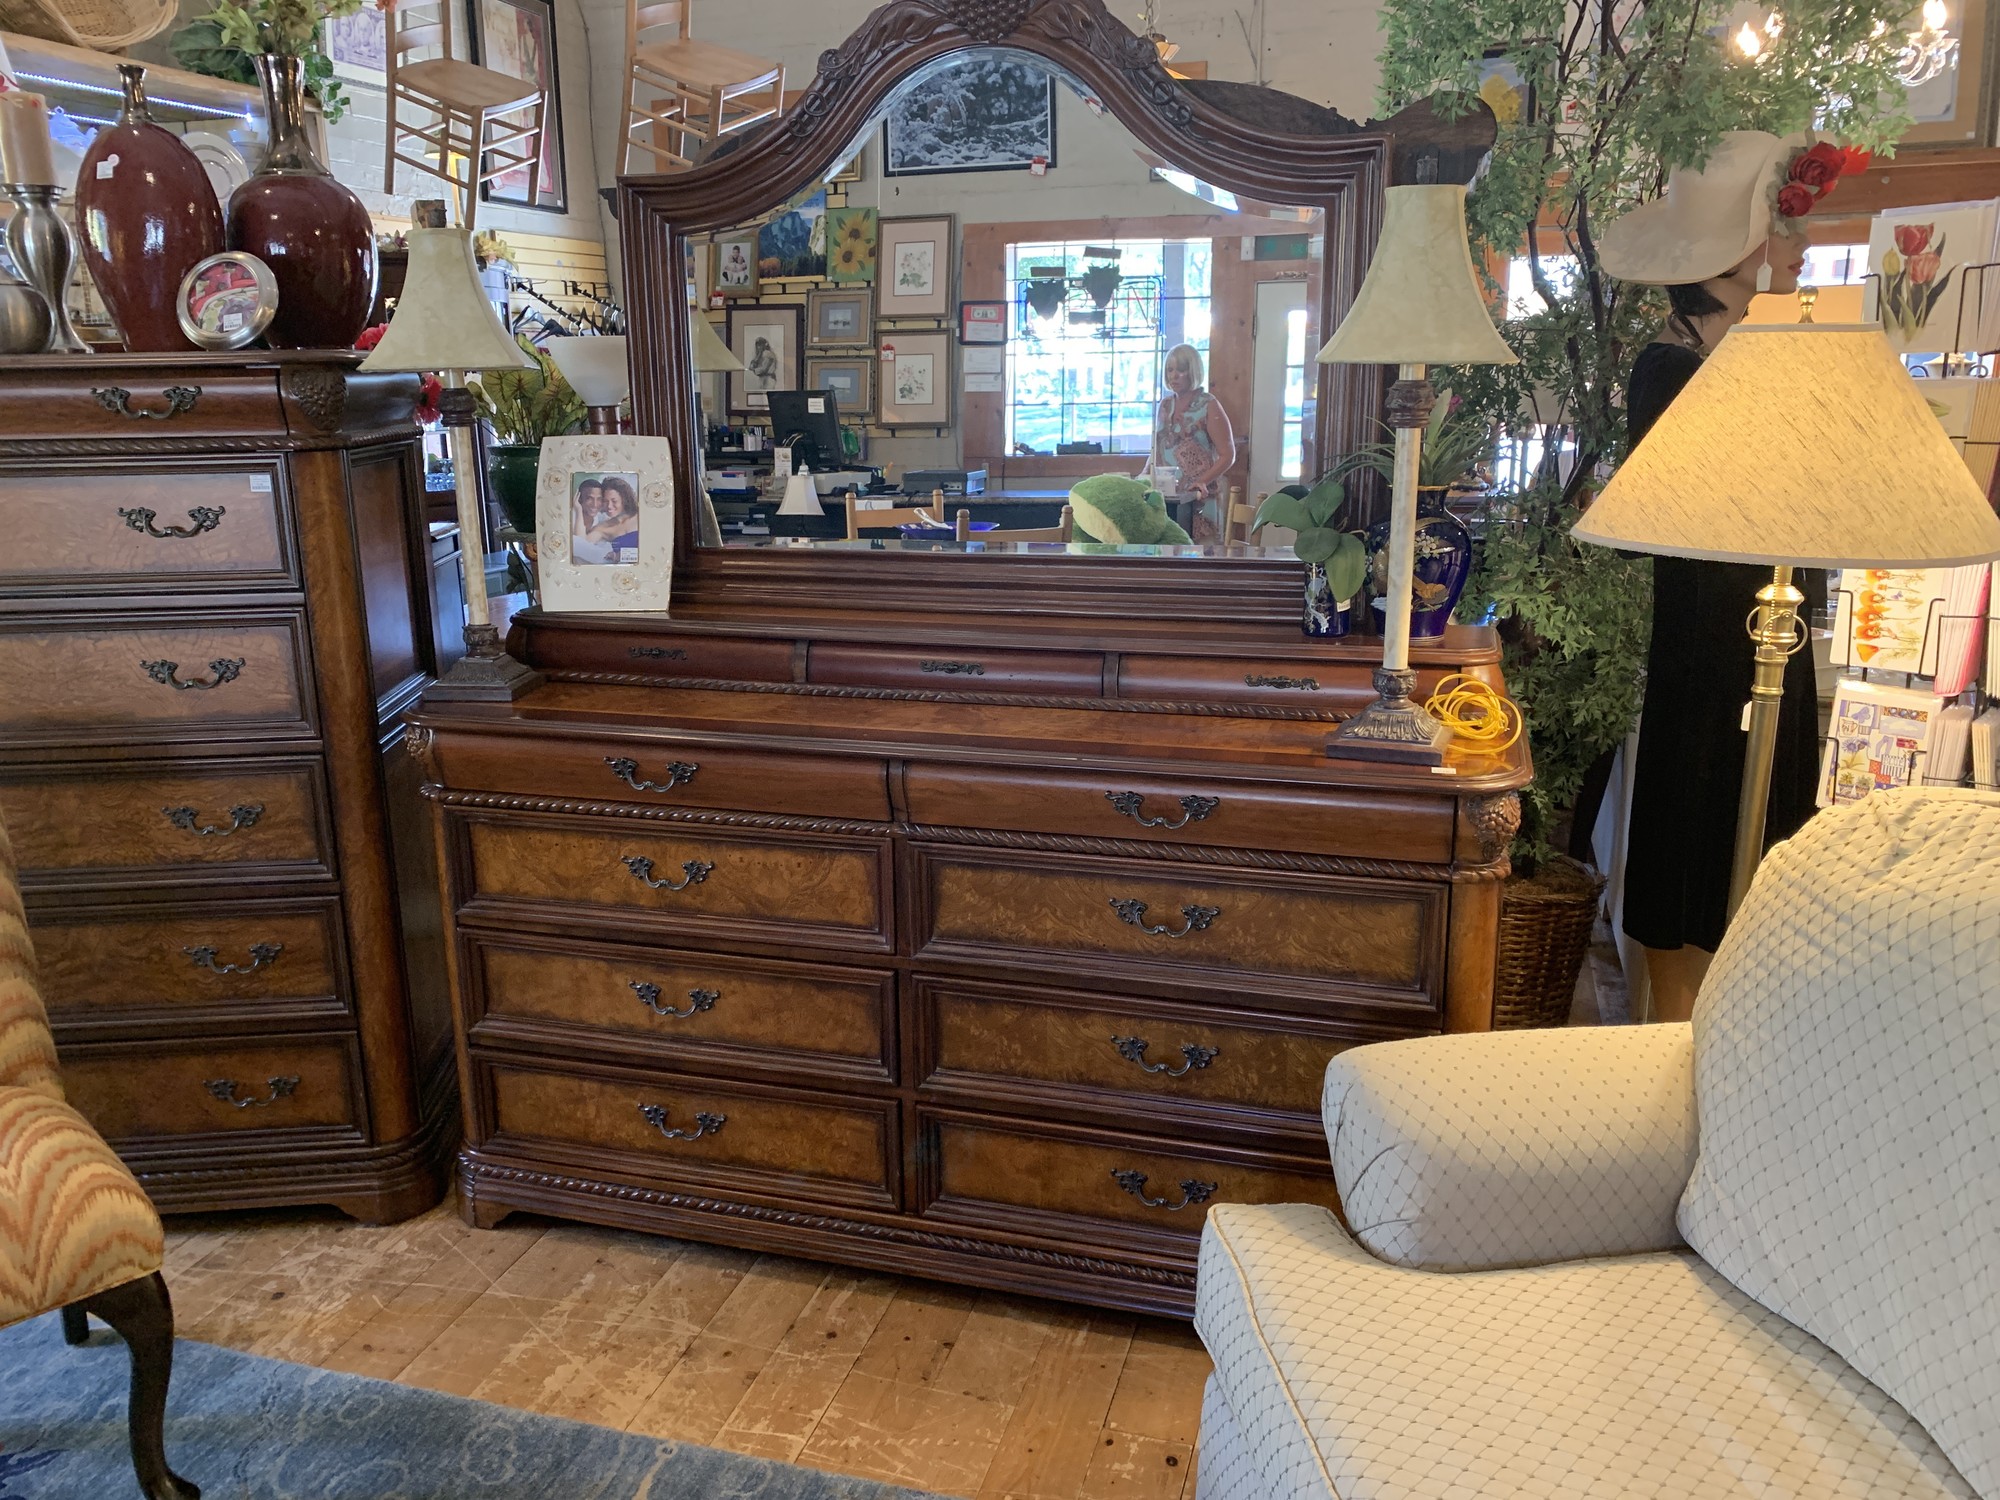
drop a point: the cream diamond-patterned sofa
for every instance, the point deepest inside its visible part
(1755, 1256)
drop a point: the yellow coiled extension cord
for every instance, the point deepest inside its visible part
(1476, 714)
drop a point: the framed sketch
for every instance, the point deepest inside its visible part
(767, 339)
(518, 38)
(358, 45)
(982, 322)
(982, 114)
(914, 277)
(736, 265)
(1956, 108)
(849, 377)
(853, 236)
(916, 380)
(604, 523)
(840, 318)
(792, 243)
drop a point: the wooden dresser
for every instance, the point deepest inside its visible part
(214, 606)
(989, 963)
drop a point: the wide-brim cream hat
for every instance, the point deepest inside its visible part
(1708, 219)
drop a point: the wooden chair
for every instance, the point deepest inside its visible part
(1063, 531)
(469, 104)
(916, 515)
(1241, 521)
(701, 92)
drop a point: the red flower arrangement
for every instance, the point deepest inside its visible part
(432, 390)
(1815, 172)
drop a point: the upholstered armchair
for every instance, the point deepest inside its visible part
(76, 1232)
(1755, 1255)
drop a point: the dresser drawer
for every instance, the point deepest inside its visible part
(222, 1087)
(704, 1011)
(1316, 937)
(148, 822)
(1177, 810)
(947, 669)
(1340, 687)
(683, 884)
(150, 530)
(736, 1137)
(573, 643)
(190, 399)
(123, 678)
(103, 967)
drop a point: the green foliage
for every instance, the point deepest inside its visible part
(221, 43)
(526, 406)
(1312, 516)
(1457, 439)
(1613, 97)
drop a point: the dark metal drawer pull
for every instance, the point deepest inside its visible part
(223, 669)
(260, 955)
(116, 398)
(225, 1089)
(1132, 805)
(953, 668)
(704, 1124)
(1283, 684)
(1133, 914)
(243, 815)
(649, 996)
(205, 518)
(679, 773)
(1192, 1191)
(693, 872)
(1193, 1054)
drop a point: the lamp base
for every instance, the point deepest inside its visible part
(1393, 728)
(485, 674)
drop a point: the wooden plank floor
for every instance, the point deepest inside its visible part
(936, 1387)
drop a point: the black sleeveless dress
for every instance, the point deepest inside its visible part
(1691, 740)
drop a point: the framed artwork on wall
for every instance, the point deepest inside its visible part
(358, 45)
(604, 519)
(851, 379)
(850, 170)
(985, 114)
(914, 275)
(518, 38)
(840, 318)
(736, 265)
(916, 380)
(853, 236)
(982, 322)
(793, 242)
(768, 340)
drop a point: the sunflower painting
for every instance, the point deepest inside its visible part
(851, 238)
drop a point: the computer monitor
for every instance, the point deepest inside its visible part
(810, 422)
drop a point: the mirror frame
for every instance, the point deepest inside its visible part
(1343, 175)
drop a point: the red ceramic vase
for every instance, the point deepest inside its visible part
(148, 213)
(306, 226)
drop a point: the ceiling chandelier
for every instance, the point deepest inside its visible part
(1928, 52)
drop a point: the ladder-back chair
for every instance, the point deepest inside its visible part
(697, 92)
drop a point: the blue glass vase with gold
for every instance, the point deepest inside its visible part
(1442, 565)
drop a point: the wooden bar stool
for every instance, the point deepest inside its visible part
(469, 103)
(701, 91)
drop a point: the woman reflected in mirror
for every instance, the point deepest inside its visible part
(1193, 436)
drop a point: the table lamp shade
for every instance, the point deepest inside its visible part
(1805, 445)
(710, 353)
(443, 320)
(595, 366)
(1420, 303)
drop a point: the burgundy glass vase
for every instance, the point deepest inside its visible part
(148, 213)
(305, 225)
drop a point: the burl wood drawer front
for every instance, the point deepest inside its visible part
(953, 669)
(699, 1009)
(133, 819)
(1182, 810)
(1342, 688)
(286, 1083)
(734, 1137)
(128, 678)
(1185, 923)
(159, 531)
(683, 882)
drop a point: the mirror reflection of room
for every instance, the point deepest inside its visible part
(997, 294)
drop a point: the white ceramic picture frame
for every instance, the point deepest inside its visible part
(590, 488)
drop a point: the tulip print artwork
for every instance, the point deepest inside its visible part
(1925, 288)
(1911, 285)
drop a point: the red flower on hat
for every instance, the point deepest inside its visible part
(1819, 167)
(1795, 200)
(1913, 239)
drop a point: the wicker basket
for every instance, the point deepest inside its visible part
(102, 25)
(1545, 924)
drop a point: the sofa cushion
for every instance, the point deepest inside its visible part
(1644, 1375)
(73, 1221)
(27, 1053)
(1847, 1066)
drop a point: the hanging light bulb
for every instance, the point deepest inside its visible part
(1931, 51)
(1748, 42)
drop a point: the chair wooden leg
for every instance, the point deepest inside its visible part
(535, 160)
(143, 1316)
(389, 156)
(475, 164)
(76, 1326)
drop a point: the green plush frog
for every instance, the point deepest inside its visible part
(1118, 508)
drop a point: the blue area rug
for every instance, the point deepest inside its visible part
(245, 1428)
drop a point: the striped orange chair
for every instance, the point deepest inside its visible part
(76, 1232)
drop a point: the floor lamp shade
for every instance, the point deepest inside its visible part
(1420, 303)
(595, 367)
(710, 353)
(443, 320)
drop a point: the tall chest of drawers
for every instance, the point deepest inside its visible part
(214, 606)
(1004, 981)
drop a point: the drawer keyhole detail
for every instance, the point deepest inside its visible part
(1193, 918)
(649, 996)
(260, 955)
(1133, 805)
(679, 773)
(204, 517)
(1193, 1056)
(225, 1089)
(225, 669)
(243, 815)
(1192, 1191)
(693, 872)
(704, 1124)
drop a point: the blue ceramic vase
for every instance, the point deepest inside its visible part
(1325, 616)
(1443, 563)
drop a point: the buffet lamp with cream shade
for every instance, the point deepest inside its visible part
(1420, 305)
(596, 369)
(1802, 445)
(444, 322)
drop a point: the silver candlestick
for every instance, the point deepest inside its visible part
(44, 250)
